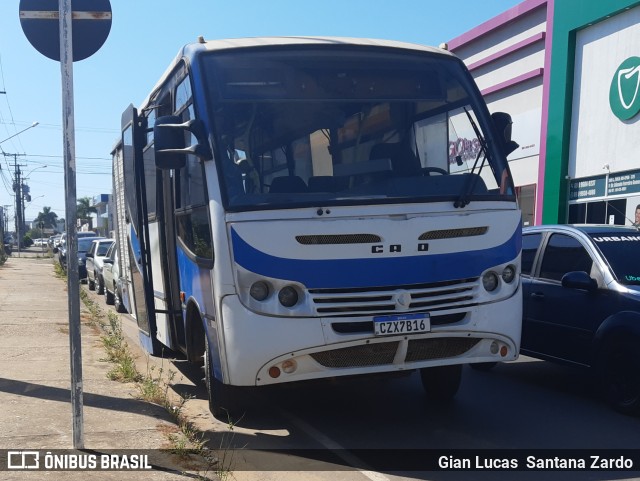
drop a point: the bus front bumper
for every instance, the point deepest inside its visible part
(278, 350)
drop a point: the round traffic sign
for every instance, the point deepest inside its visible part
(91, 24)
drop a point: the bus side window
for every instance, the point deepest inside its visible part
(192, 215)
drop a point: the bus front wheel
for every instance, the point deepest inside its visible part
(441, 383)
(224, 400)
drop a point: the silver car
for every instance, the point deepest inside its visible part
(111, 276)
(95, 257)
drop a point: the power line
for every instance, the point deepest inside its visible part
(62, 157)
(97, 130)
(13, 122)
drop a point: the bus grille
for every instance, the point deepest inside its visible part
(384, 353)
(380, 300)
(358, 356)
(438, 348)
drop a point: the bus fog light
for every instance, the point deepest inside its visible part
(259, 290)
(494, 348)
(274, 372)
(288, 296)
(490, 281)
(289, 366)
(509, 274)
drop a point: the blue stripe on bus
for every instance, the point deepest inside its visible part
(370, 272)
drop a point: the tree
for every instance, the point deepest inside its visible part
(85, 209)
(47, 218)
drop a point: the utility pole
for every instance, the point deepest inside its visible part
(18, 189)
(6, 217)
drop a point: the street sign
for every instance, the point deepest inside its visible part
(67, 31)
(91, 24)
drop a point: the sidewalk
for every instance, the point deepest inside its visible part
(35, 379)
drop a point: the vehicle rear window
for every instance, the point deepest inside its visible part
(84, 244)
(622, 252)
(103, 247)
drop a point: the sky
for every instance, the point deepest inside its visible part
(145, 37)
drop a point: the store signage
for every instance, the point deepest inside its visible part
(624, 93)
(624, 183)
(620, 183)
(463, 149)
(587, 188)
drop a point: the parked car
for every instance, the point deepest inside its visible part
(61, 250)
(8, 242)
(112, 282)
(581, 288)
(54, 241)
(83, 246)
(94, 264)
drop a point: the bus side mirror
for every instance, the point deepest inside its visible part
(503, 123)
(169, 144)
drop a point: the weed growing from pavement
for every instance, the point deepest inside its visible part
(225, 459)
(154, 387)
(96, 314)
(59, 271)
(118, 352)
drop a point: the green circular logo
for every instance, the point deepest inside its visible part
(624, 94)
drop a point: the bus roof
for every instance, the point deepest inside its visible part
(271, 41)
(258, 42)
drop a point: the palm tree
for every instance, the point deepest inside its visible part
(85, 209)
(47, 218)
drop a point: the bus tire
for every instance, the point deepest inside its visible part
(224, 400)
(441, 383)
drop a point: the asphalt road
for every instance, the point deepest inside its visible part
(526, 405)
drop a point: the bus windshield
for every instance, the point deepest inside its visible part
(333, 127)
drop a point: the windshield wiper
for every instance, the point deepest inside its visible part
(471, 180)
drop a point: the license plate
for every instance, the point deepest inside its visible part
(401, 324)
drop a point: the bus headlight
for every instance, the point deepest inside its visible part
(272, 296)
(259, 290)
(490, 281)
(509, 274)
(288, 296)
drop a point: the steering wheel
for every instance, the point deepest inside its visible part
(435, 170)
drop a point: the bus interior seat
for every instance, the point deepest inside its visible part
(288, 185)
(404, 161)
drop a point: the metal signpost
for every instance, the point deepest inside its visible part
(50, 25)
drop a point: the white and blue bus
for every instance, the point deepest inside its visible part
(305, 208)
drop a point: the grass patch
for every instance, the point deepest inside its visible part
(59, 271)
(154, 387)
(118, 353)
